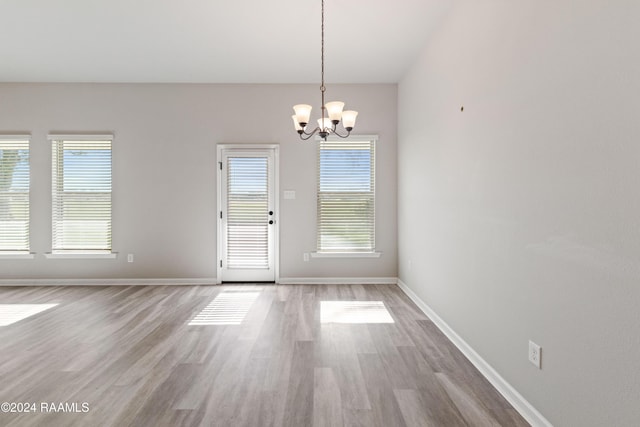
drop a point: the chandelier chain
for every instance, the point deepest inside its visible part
(322, 87)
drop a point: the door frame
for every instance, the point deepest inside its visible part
(276, 193)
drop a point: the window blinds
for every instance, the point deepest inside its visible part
(346, 195)
(247, 212)
(81, 195)
(14, 195)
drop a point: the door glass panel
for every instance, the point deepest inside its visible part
(247, 209)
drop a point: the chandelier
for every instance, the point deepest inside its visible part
(331, 112)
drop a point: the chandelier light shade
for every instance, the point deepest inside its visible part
(331, 112)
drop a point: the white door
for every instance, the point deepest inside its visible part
(247, 213)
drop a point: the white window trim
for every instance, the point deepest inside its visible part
(30, 255)
(82, 254)
(364, 254)
(15, 136)
(345, 254)
(17, 255)
(80, 137)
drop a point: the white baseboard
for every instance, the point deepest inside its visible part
(337, 280)
(199, 281)
(516, 400)
(106, 282)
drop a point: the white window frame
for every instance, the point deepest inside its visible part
(328, 253)
(26, 252)
(78, 253)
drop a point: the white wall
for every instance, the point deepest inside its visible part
(164, 176)
(519, 218)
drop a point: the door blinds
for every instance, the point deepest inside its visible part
(247, 212)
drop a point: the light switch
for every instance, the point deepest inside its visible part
(289, 194)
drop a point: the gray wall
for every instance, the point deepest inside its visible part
(164, 176)
(519, 218)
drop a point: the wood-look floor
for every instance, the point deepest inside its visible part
(131, 355)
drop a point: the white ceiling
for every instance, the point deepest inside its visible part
(211, 41)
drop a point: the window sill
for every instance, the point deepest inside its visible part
(82, 255)
(17, 256)
(345, 254)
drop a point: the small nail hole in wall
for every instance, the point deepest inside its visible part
(462, 108)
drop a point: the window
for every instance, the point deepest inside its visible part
(14, 195)
(81, 194)
(346, 195)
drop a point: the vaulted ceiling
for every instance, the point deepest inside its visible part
(211, 41)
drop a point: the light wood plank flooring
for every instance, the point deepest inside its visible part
(256, 356)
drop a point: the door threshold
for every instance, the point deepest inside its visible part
(225, 282)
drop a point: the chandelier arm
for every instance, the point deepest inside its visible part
(312, 132)
(305, 139)
(336, 133)
(307, 134)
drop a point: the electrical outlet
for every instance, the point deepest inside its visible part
(130, 258)
(535, 354)
(305, 256)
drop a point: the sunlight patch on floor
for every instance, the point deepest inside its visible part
(12, 313)
(228, 308)
(354, 312)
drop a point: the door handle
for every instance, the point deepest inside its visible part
(270, 212)
(270, 221)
